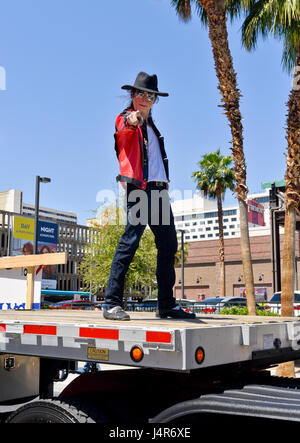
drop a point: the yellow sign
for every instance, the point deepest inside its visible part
(24, 228)
(98, 353)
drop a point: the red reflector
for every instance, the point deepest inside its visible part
(2, 328)
(158, 337)
(40, 330)
(112, 334)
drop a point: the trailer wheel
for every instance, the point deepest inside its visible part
(48, 411)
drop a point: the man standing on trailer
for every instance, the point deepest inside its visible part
(144, 168)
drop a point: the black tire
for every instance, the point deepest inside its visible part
(48, 411)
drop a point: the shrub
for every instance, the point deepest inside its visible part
(235, 310)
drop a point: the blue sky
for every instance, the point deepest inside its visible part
(65, 63)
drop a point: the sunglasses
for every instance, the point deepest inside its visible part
(150, 96)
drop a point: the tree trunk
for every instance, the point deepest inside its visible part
(292, 196)
(288, 264)
(292, 205)
(221, 247)
(216, 18)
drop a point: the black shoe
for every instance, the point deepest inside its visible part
(115, 313)
(175, 313)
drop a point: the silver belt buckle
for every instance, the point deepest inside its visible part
(159, 184)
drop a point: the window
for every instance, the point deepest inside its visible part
(210, 215)
(202, 236)
(233, 219)
(230, 212)
(195, 236)
(209, 235)
(263, 199)
(207, 229)
(231, 226)
(209, 222)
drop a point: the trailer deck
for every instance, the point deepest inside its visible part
(165, 343)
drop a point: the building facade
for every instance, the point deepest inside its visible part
(199, 220)
(72, 238)
(12, 201)
(198, 217)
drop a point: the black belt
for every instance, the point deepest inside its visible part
(156, 184)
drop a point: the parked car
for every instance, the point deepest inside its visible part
(274, 305)
(149, 305)
(74, 304)
(187, 305)
(215, 305)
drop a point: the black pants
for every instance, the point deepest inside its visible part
(153, 208)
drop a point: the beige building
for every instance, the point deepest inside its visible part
(202, 268)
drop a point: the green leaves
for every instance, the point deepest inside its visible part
(215, 174)
(278, 18)
(95, 267)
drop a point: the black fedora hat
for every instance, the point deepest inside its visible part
(146, 82)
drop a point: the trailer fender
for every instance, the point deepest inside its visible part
(268, 402)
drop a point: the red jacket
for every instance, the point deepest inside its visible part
(131, 148)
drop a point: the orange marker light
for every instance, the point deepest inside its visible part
(199, 355)
(136, 354)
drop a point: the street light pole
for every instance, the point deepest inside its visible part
(37, 207)
(182, 262)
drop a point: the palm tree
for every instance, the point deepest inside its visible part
(213, 13)
(178, 254)
(281, 18)
(214, 178)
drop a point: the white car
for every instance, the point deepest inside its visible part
(215, 305)
(274, 305)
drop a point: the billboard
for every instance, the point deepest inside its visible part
(22, 243)
(22, 240)
(255, 213)
(47, 243)
(260, 293)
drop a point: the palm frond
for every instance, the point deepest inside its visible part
(183, 9)
(279, 18)
(215, 174)
(259, 21)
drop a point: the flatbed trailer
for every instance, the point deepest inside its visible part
(180, 370)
